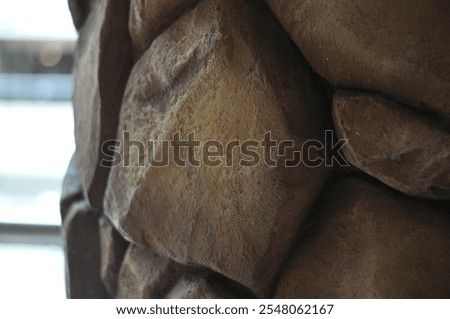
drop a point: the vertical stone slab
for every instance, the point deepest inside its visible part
(102, 65)
(81, 237)
(72, 190)
(80, 10)
(113, 248)
(81, 233)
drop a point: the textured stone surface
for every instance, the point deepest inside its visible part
(113, 248)
(80, 10)
(102, 64)
(82, 247)
(80, 230)
(398, 48)
(72, 190)
(371, 243)
(394, 144)
(224, 72)
(203, 285)
(145, 275)
(148, 18)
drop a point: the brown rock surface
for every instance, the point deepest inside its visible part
(81, 233)
(103, 61)
(145, 275)
(371, 243)
(80, 230)
(394, 144)
(113, 248)
(72, 190)
(224, 72)
(148, 18)
(399, 48)
(203, 285)
(80, 10)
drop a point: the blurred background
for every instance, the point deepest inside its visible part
(37, 41)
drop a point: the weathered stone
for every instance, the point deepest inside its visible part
(149, 18)
(223, 72)
(102, 64)
(397, 48)
(145, 275)
(394, 144)
(80, 10)
(72, 190)
(371, 243)
(203, 285)
(81, 233)
(113, 248)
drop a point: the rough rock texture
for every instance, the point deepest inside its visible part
(145, 275)
(394, 144)
(397, 48)
(203, 285)
(80, 10)
(82, 249)
(371, 243)
(72, 190)
(149, 18)
(219, 71)
(103, 61)
(227, 71)
(81, 233)
(113, 248)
